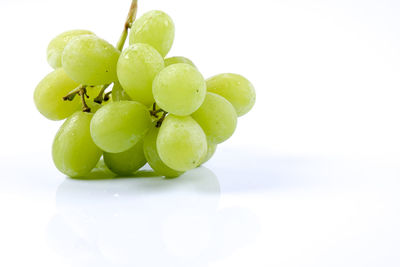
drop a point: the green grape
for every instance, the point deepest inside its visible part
(57, 45)
(89, 60)
(150, 151)
(179, 89)
(118, 126)
(127, 162)
(211, 148)
(74, 152)
(175, 60)
(217, 117)
(181, 143)
(136, 69)
(118, 93)
(155, 28)
(49, 93)
(236, 89)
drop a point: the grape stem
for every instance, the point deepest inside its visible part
(160, 121)
(71, 95)
(100, 97)
(107, 96)
(154, 112)
(128, 24)
(82, 92)
(120, 45)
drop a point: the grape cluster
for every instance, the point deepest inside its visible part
(160, 111)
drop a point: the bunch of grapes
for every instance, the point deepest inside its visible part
(160, 111)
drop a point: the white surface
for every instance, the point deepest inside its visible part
(289, 212)
(310, 177)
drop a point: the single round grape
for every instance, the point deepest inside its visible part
(175, 60)
(217, 117)
(49, 93)
(74, 152)
(118, 126)
(155, 28)
(236, 89)
(179, 89)
(181, 143)
(151, 154)
(89, 60)
(127, 162)
(118, 93)
(57, 45)
(211, 148)
(136, 69)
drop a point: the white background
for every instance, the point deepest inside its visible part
(310, 177)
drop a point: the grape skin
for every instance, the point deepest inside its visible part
(181, 143)
(154, 160)
(217, 117)
(174, 60)
(136, 69)
(49, 93)
(73, 150)
(127, 162)
(211, 148)
(236, 89)
(118, 93)
(89, 60)
(118, 126)
(155, 28)
(57, 45)
(179, 89)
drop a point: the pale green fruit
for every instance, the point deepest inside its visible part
(137, 67)
(236, 89)
(57, 45)
(176, 60)
(181, 143)
(179, 89)
(74, 152)
(151, 153)
(127, 162)
(217, 117)
(118, 126)
(155, 28)
(118, 93)
(211, 148)
(89, 60)
(49, 93)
